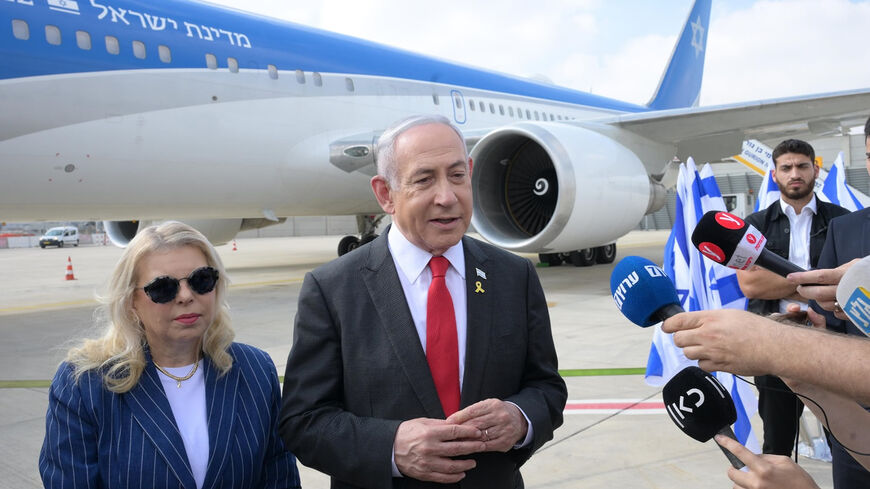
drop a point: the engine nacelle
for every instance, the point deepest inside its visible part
(549, 187)
(218, 231)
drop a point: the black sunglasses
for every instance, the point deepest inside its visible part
(163, 289)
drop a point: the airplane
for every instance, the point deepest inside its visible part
(134, 112)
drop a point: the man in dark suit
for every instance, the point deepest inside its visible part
(848, 238)
(795, 227)
(388, 384)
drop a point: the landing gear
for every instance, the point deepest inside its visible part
(366, 225)
(581, 258)
(606, 253)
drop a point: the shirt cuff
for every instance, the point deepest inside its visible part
(396, 472)
(530, 433)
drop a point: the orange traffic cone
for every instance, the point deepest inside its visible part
(69, 271)
(234, 246)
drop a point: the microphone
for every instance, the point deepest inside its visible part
(730, 241)
(701, 407)
(643, 292)
(853, 294)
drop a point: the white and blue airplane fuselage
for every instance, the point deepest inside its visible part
(133, 112)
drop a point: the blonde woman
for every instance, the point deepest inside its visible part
(165, 399)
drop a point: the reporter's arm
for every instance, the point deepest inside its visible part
(759, 283)
(765, 471)
(845, 418)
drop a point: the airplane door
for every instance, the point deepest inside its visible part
(458, 106)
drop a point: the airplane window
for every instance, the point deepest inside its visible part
(83, 40)
(471, 105)
(300, 76)
(139, 49)
(348, 83)
(482, 106)
(211, 61)
(52, 35)
(511, 111)
(501, 109)
(457, 100)
(20, 29)
(551, 117)
(435, 99)
(164, 53)
(273, 72)
(528, 114)
(318, 80)
(536, 116)
(233, 65)
(112, 45)
(491, 108)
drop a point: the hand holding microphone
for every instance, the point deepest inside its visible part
(822, 285)
(701, 407)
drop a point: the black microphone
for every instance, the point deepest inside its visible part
(700, 406)
(730, 241)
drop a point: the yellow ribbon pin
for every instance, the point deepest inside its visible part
(478, 288)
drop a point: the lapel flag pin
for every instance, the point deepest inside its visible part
(480, 273)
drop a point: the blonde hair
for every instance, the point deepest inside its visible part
(119, 353)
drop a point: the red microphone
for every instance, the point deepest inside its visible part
(730, 241)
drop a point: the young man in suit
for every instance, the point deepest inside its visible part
(795, 227)
(403, 372)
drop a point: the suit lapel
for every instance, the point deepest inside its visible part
(479, 296)
(221, 401)
(150, 409)
(382, 283)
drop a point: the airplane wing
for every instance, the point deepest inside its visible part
(712, 133)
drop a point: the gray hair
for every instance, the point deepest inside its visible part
(385, 154)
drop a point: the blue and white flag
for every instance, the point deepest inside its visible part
(768, 192)
(835, 189)
(701, 284)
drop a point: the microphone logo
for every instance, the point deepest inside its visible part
(729, 221)
(751, 238)
(712, 251)
(675, 408)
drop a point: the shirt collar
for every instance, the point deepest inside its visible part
(811, 205)
(411, 260)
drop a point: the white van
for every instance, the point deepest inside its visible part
(60, 237)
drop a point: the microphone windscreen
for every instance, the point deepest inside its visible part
(640, 288)
(728, 240)
(853, 294)
(698, 404)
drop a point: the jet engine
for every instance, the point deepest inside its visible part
(218, 231)
(552, 187)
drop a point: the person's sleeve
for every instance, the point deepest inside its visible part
(69, 455)
(828, 259)
(314, 423)
(543, 394)
(279, 467)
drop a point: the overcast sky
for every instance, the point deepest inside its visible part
(756, 49)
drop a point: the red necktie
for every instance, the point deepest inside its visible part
(442, 347)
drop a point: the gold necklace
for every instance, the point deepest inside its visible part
(178, 380)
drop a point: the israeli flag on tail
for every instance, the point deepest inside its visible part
(835, 189)
(701, 284)
(768, 192)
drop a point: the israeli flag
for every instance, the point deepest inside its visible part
(835, 189)
(768, 192)
(701, 284)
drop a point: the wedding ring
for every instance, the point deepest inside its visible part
(837, 307)
(485, 434)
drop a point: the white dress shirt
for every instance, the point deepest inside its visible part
(799, 241)
(412, 265)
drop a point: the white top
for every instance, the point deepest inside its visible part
(188, 408)
(799, 242)
(412, 265)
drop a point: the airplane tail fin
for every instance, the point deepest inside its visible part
(680, 85)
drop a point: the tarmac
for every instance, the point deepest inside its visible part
(602, 444)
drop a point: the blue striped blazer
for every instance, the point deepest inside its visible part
(97, 438)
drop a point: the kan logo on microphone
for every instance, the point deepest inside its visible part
(729, 221)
